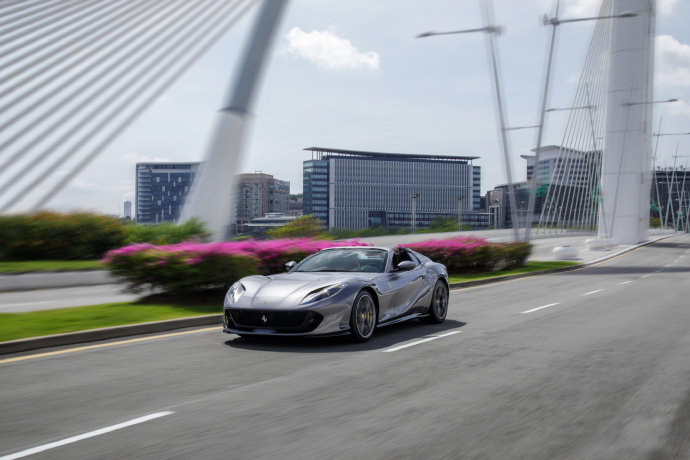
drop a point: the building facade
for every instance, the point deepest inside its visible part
(161, 189)
(259, 195)
(355, 189)
(670, 197)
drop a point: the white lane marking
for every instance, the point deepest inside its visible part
(539, 308)
(428, 339)
(625, 282)
(90, 434)
(657, 271)
(645, 276)
(592, 292)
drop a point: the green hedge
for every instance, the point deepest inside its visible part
(76, 236)
(49, 235)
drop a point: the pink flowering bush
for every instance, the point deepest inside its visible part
(472, 254)
(197, 266)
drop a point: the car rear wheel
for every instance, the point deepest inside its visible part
(363, 317)
(439, 304)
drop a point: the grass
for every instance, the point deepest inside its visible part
(156, 308)
(25, 266)
(532, 266)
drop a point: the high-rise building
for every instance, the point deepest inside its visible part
(355, 189)
(258, 195)
(128, 210)
(161, 189)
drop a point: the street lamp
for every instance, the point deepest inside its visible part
(671, 134)
(521, 127)
(491, 31)
(414, 197)
(460, 197)
(650, 102)
(558, 109)
(555, 22)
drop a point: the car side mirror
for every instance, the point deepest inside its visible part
(406, 265)
(290, 265)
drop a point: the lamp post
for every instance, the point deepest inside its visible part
(491, 31)
(554, 22)
(414, 197)
(460, 197)
(650, 102)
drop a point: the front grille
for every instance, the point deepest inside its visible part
(282, 321)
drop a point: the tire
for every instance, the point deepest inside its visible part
(439, 304)
(363, 317)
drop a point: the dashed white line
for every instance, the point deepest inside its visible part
(540, 308)
(428, 339)
(90, 434)
(645, 276)
(592, 292)
(625, 282)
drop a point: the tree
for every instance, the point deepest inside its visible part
(304, 226)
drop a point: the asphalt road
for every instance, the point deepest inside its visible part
(593, 363)
(46, 299)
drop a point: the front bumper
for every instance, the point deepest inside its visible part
(328, 320)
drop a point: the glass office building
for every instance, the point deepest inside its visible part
(161, 189)
(355, 189)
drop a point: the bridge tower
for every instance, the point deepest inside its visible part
(627, 164)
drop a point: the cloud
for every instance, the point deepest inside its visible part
(328, 51)
(672, 69)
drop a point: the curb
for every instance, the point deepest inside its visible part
(71, 338)
(91, 335)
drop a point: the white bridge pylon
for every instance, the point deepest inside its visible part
(627, 164)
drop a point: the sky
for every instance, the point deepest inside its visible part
(352, 75)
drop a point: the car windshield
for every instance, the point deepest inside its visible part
(345, 260)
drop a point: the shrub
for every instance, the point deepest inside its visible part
(166, 232)
(198, 266)
(49, 235)
(302, 227)
(471, 254)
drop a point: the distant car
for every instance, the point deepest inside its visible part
(339, 290)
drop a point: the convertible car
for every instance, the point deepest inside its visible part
(339, 291)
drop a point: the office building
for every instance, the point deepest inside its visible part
(161, 189)
(356, 189)
(670, 197)
(259, 195)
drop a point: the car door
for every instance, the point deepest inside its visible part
(408, 284)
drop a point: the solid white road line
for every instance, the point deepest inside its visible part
(539, 308)
(592, 292)
(90, 434)
(428, 339)
(625, 282)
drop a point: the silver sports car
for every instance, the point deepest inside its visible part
(337, 291)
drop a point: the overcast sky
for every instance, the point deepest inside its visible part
(351, 75)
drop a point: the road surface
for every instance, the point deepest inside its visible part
(593, 363)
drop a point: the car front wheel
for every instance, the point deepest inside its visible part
(363, 317)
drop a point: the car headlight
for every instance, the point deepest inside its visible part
(234, 293)
(322, 293)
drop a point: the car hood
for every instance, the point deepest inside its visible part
(289, 289)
